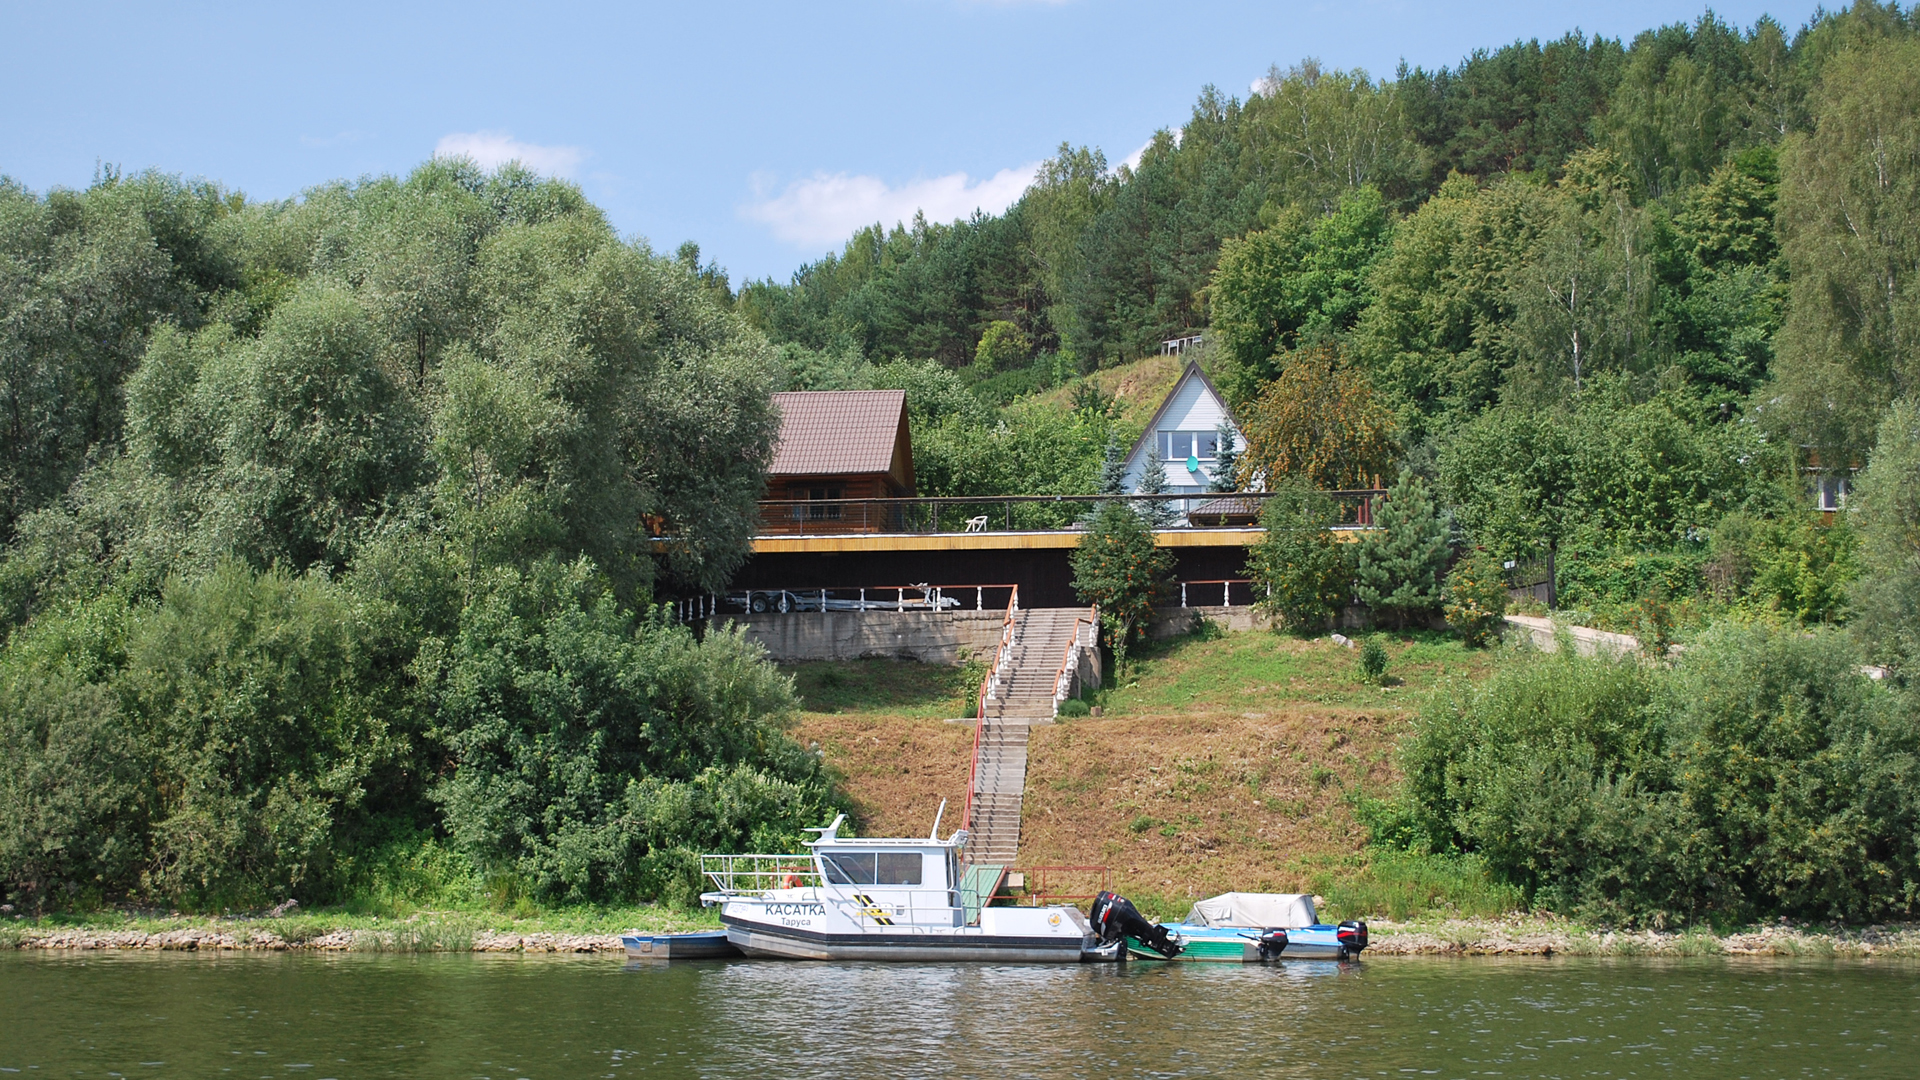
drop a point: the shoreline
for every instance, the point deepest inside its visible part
(1539, 936)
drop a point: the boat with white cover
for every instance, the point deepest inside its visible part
(861, 898)
(1255, 928)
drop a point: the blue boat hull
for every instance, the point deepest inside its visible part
(704, 945)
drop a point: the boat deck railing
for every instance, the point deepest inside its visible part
(757, 875)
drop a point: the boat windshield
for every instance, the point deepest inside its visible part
(873, 867)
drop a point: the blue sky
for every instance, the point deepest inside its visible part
(763, 131)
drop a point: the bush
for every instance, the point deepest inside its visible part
(1300, 568)
(1372, 661)
(1074, 707)
(1761, 775)
(589, 745)
(1476, 598)
(208, 750)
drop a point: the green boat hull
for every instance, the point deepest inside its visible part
(1204, 950)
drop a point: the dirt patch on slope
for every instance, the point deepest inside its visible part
(896, 769)
(1175, 806)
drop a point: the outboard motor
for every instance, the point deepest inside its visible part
(1115, 919)
(1271, 943)
(1352, 936)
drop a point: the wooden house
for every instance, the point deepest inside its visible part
(836, 445)
(1185, 429)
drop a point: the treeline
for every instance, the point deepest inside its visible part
(1101, 263)
(1603, 296)
(329, 549)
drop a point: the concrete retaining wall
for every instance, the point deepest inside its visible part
(1169, 622)
(948, 637)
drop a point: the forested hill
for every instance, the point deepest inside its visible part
(1452, 230)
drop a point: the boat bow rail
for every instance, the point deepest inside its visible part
(759, 875)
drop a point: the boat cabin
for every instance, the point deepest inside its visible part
(911, 881)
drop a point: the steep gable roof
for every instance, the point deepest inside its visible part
(825, 432)
(1192, 371)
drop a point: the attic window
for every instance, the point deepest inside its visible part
(1181, 445)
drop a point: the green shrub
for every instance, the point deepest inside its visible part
(1762, 774)
(1299, 570)
(1372, 661)
(588, 745)
(1476, 598)
(1118, 567)
(1074, 707)
(1621, 578)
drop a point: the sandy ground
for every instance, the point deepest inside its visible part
(1174, 806)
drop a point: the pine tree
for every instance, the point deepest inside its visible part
(1401, 562)
(1226, 461)
(1153, 481)
(1118, 567)
(1113, 469)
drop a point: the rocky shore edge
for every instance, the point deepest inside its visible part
(215, 938)
(1542, 937)
(1553, 937)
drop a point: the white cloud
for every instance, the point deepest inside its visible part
(826, 209)
(492, 149)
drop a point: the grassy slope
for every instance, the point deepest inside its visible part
(1218, 764)
(1137, 387)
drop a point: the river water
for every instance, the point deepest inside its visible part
(310, 1016)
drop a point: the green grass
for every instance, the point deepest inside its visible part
(1401, 886)
(885, 687)
(1238, 672)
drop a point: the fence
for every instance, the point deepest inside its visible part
(1028, 513)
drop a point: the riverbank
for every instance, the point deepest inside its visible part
(584, 930)
(1530, 935)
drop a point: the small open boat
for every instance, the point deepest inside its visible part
(700, 945)
(1251, 928)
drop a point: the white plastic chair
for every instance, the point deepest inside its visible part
(977, 524)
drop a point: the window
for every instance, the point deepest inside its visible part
(874, 868)
(1178, 446)
(1833, 492)
(815, 494)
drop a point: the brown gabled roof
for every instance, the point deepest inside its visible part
(825, 432)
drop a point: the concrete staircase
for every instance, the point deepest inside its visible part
(1029, 664)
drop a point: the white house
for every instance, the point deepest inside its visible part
(1184, 428)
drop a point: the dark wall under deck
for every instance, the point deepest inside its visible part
(1043, 574)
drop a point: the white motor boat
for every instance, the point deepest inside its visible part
(859, 898)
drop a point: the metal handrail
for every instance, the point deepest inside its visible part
(761, 874)
(1071, 654)
(932, 597)
(988, 683)
(923, 514)
(758, 875)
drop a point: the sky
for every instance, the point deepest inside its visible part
(764, 132)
